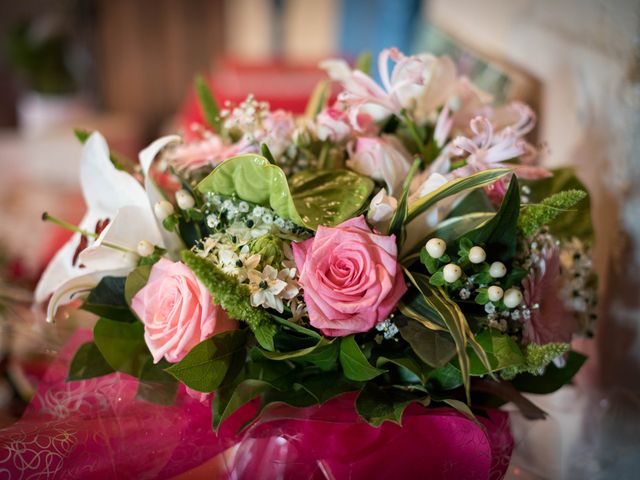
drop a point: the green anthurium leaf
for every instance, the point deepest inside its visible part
(253, 178)
(354, 363)
(88, 362)
(576, 222)
(205, 367)
(498, 235)
(107, 300)
(329, 197)
(435, 348)
(501, 350)
(210, 109)
(376, 405)
(156, 385)
(454, 187)
(135, 281)
(122, 345)
(553, 377)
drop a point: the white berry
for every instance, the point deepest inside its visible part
(495, 293)
(436, 247)
(512, 298)
(497, 270)
(184, 199)
(145, 248)
(163, 209)
(451, 272)
(477, 255)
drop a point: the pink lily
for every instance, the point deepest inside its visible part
(487, 151)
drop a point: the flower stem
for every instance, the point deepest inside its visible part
(413, 130)
(61, 223)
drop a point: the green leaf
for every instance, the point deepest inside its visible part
(435, 348)
(205, 367)
(553, 377)
(329, 197)
(88, 362)
(400, 216)
(447, 377)
(156, 385)
(297, 328)
(81, 134)
(377, 405)
(266, 153)
(107, 300)
(354, 364)
(449, 230)
(473, 203)
(462, 408)
(574, 223)
(501, 350)
(135, 281)
(414, 305)
(210, 109)
(253, 178)
(448, 312)
(122, 345)
(318, 98)
(454, 187)
(363, 62)
(499, 235)
(408, 363)
(323, 354)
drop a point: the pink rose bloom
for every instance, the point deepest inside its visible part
(550, 322)
(177, 311)
(351, 277)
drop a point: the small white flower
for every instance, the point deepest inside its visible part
(489, 308)
(464, 293)
(288, 275)
(381, 210)
(265, 287)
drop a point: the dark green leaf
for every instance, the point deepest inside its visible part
(205, 367)
(435, 348)
(376, 405)
(399, 217)
(354, 364)
(122, 345)
(408, 363)
(156, 385)
(553, 377)
(447, 377)
(498, 235)
(135, 281)
(107, 300)
(323, 354)
(88, 362)
(266, 153)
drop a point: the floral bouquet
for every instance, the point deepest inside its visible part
(398, 246)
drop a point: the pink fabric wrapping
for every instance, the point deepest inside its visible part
(96, 428)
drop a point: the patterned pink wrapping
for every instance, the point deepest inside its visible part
(97, 428)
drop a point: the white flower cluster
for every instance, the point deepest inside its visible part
(578, 291)
(247, 117)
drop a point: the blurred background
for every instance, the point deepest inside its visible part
(126, 68)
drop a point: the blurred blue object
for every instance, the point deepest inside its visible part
(372, 25)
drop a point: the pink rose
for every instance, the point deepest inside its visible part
(351, 277)
(177, 311)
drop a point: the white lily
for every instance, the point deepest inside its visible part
(106, 191)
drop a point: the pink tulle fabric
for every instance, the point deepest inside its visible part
(98, 429)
